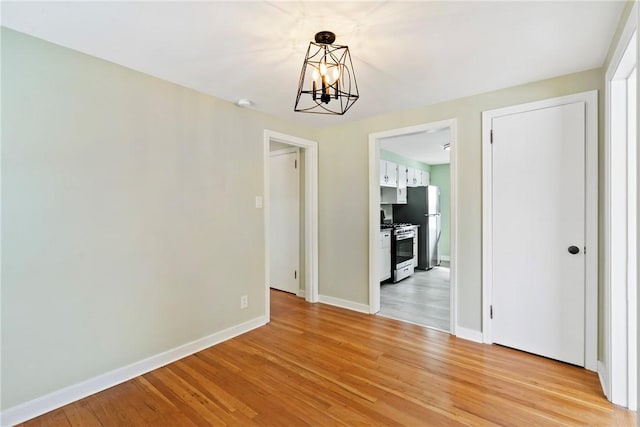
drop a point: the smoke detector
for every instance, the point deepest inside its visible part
(244, 103)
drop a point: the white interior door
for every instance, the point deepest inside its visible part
(284, 227)
(538, 188)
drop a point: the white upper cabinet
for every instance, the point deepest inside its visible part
(396, 193)
(402, 184)
(413, 177)
(388, 174)
(424, 178)
(417, 177)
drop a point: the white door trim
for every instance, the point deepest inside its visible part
(310, 212)
(374, 211)
(614, 365)
(284, 151)
(590, 99)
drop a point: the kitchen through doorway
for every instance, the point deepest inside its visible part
(415, 223)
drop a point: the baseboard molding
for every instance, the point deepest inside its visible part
(59, 398)
(444, 258)
(343, 303)
(301, 293)
(469, 334)
(603, 376)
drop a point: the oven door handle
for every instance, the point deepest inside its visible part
(405, 236)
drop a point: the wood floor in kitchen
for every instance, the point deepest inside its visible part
(422, 298)
(319, 365)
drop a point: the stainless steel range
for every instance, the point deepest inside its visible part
(401, 250)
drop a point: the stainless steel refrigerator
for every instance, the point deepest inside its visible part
(423, 209)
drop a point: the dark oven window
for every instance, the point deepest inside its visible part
(404, 250)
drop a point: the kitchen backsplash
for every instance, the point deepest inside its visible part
(388, 212)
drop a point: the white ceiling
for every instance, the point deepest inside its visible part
(425, 147)
(405, 54)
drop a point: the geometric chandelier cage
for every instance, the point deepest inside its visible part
(327, 82)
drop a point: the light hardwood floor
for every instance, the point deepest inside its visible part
(422, 298)
(319, 365)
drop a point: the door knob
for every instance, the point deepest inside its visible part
(573, 250)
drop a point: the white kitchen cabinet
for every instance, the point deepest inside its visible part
(385, 255)
(393, 183)
(393, 196)
(413, 177)
(417, 177)
(424, 178)
(388, 174)
(402, 185)
(415, 247)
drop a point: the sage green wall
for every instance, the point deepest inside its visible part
(401, 160)
(128, 219)
(128, 210)
(440, 177)
(343, 197)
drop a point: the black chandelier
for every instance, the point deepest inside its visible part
(327, 83)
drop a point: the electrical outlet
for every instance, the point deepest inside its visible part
(244, 301)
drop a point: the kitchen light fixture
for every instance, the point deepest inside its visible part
(447, 146)
(327, 83)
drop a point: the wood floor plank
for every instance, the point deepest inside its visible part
(318, 365)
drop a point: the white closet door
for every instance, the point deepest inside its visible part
(284, 193)
(538, 189)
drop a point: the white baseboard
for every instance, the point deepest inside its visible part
(59, 398)
(301, 293)
(469, 334)
(603, 375)
(343, 303)
(445, 258)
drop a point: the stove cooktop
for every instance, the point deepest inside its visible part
(395, 225)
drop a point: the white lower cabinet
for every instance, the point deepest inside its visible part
(385, 255)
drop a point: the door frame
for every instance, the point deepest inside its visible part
(374, 211)
(590, 98)
(613, 370)
(310, 213)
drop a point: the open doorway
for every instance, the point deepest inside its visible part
(420, 295)
(412, 224)
(302, 157)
